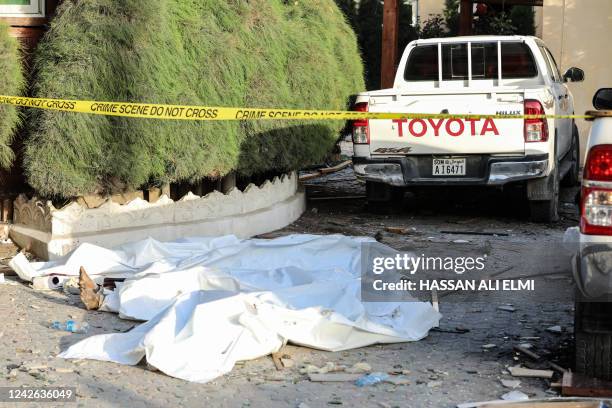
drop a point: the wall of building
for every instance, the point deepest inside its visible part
(576, 32)
(427, 8)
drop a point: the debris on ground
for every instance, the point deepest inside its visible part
(506, 308)
(334, 377)
(554, 329)
(359, 368)
(329, 367)
(325, 170)
(577, 385)
(542, 403)
(519, 371)
(70, 326)
(515, 396)
(371, 379)
(510, 383)
(495, 234)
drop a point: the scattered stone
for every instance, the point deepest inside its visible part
(329, 367)
(461, 241)
(434, 384)
(506, 308)
(359, 368)
(515, 396)
(63, 370)
(526, 345)
(38, 375)
(309, 369)
(333, 377)
(489, 346)
(303, 405)
(287, 362)
(35, 307)
(398, 380)
(554, 329)
(511, 383)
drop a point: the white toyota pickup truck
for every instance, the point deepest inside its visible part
(478, 75)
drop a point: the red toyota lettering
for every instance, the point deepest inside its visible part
(449, 129)
(489, 126)
(423, 127)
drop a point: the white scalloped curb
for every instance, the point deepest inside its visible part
(51, 233)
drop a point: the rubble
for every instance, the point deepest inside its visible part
(519, 371)
(510, 383)
(515, 396)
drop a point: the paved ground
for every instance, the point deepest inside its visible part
(448, 367)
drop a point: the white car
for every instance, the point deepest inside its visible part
(487, 75)
(592, 243)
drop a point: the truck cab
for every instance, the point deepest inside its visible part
(471, 83)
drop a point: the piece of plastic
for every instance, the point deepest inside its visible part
(210, 302)
(70, 326)
(371, 379)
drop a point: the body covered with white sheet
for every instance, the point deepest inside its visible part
(210, 302)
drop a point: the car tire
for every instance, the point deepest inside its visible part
(593, 350)
(572, 178)
(383, 198)
(547, 211)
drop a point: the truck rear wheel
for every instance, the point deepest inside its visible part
(545, 210)
(572, 178)
(383, 198)
(593, 347)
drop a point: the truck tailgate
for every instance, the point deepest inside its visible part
(448, 136)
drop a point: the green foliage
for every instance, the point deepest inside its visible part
(12, 84)
(497, 24)
(451, 17)
(523, 19)
(515, 20)
(434, 27)
(254, 53)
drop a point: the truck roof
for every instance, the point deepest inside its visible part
(474, 38)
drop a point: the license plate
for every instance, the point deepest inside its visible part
(448, 167)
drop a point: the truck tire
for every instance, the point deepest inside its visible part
(383, 198)
(546, 210)
(572, 178)
(593, 348)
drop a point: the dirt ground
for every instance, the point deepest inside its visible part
(449, 366)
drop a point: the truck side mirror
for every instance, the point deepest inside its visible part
(603, 99)
(574, 75)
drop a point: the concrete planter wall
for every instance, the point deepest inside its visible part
(51, 233)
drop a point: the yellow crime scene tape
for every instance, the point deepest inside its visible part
(211, 113)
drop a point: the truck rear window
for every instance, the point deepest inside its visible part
(517, 62)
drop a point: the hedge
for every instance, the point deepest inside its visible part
(255, 53)
(11, 84)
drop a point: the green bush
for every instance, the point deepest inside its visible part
(11, 84)
(255, 53)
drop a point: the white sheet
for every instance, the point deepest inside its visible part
(210, 302)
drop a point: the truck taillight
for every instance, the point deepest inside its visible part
(361, 127)
(536, 130)
(596, 203)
